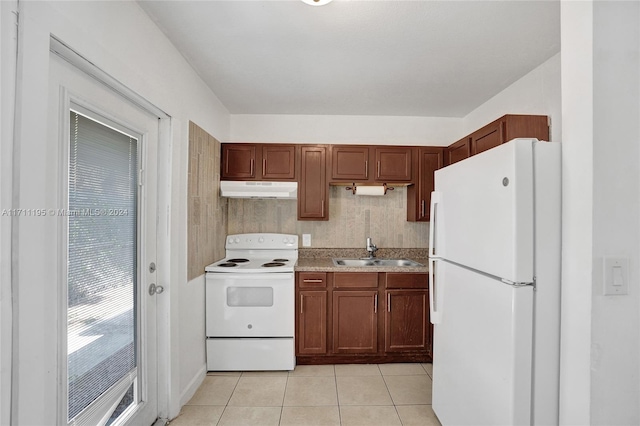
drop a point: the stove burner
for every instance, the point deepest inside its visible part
(227, 264)
(272, 264)
(239, 260)
(280, 260)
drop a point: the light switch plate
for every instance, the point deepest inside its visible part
(306, 240)
(616, 276)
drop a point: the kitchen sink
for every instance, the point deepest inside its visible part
(375, 262)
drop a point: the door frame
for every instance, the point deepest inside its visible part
(163, 183)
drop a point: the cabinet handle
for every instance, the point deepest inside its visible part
(375, 304)
(388, 302)
(322, 209)
(312, 281)
(366, 169)
(423, 207)
(301, 304)
(251, 167)
(378, 170)
(264, 166)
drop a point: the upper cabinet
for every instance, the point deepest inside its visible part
(278, 162)
(258, 162)
(393, 164)
(358, 163)
(349, 163)
(509, 127)
(313, 190)
(238, 161)
(315, 167)
(458, 151)
(430, 159)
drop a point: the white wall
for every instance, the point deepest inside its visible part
(343, 129)
(120, 39)
(193, 359)
(615, 325)
(600, 371)
(536, 93)
(577, 222)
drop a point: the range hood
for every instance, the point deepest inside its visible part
(259, 189)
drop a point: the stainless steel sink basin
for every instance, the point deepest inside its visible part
(375, 262)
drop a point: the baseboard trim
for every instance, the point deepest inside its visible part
(190, 390)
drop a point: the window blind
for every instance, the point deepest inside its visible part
(102, 259)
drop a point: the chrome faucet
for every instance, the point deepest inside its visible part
(371, 248)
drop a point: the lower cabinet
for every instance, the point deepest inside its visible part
(362, 317)
(406, 321)
(355, 321)
(311, 324)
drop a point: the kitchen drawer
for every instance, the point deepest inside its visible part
(406, 280)
(355, 280)
(312, 280)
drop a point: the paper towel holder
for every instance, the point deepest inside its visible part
(353, 187)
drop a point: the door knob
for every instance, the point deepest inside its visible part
(155, 289)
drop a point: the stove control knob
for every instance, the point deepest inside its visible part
(261, 240)
(230, 240)
(237, 240)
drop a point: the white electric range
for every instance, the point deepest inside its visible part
(250, 304)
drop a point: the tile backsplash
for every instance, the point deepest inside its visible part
(351, 220)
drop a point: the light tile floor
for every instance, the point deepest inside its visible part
(353, 394)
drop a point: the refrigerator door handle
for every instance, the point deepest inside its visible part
(435, 200)
(435, 307)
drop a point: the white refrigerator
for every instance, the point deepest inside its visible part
(495, 286)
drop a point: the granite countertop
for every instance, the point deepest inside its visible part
(325, 264)
(321, 260)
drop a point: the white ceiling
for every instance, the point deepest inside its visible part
(396, 58)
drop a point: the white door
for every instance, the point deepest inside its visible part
(107, 221)
(482, 349)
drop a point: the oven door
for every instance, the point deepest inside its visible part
(250, 305)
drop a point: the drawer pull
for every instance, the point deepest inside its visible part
(312, 281)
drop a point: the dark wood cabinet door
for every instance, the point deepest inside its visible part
(393, 164)
(419, 195)
(349, 163)
(238, 161)
(526, 126)
(279, 162)
(313, 189)
(488, 137)
(407, 320)
(459, 151)
(509, 127)
(355, 321)
(312, 322)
